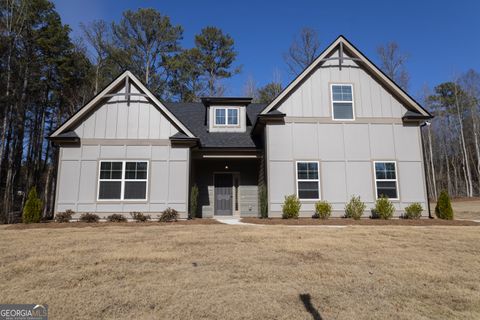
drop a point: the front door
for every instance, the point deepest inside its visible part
(223, 194)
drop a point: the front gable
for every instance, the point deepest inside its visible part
(374, 94)
(125, 109)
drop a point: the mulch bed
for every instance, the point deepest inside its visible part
(361, 222)
(55, 225)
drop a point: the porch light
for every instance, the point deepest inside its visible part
(226, 167)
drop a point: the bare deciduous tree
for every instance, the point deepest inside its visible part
(250, 88)
(392, 62)
(98, 35)
(303, 50)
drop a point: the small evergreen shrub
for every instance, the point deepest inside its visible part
(139, 217)
(384, 208)
(323, 209)
(169, 215)
(117, 217)
(32, 212)
(291, 207)
(413, 211)
(89, 217)
(355, 208)
(66, 216)
(443, 209)
(193, 202)
(263, 195)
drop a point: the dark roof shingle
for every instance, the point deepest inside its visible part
(193, 116)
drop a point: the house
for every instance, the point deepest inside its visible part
(341, 128)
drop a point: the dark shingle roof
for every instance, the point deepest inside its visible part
(193, 116)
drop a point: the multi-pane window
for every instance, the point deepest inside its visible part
(308, 186)
(110, 186)
(220, 116)
(342, 102)
(386, 179)
(232, 116)
(135, 180)
(226, 116)
(123, 180)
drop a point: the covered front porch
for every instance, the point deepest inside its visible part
(227, 183)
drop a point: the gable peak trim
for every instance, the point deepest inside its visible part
(357, 56)
(124, 76)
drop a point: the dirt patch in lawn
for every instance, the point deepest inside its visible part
(227, 272)
(361, 222)
(55, 225)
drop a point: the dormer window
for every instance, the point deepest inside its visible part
(226, 116)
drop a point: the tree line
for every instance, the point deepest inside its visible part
(46, 75)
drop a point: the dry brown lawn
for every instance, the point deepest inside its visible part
(361, 222)
(244, 272)
(465, 208)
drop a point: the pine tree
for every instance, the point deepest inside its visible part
(443, 209)
(32, 212)
(217, 56)
(269, 92)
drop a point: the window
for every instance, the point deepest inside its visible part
(123, 180)
(220, 116)
(386, 179)
(233, 116)
(226, 117)
(308, 182)
(110, 180)
(342, 102)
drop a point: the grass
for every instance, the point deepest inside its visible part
(244, 272)
(362, 222)
(465, 208)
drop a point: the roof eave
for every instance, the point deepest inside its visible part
(416, 118)
(207, 101)
(263, 119)
(185, 142)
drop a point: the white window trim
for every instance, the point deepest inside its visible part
(308, 180)
(332, 101)
(123, 180)
(388, 180)
(226, 124)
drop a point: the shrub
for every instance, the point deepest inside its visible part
(64, 216)
(89, 217)
(139, 217)
(169, 215)
(32, 212)
(384, 208)
(193, 202)
(291, 207)
(443, 209)
(323, 209)
(413, 211)
(117, 217)
(263, 195)
(355, 208)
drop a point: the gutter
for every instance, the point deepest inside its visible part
(262, 119)
(187, 142)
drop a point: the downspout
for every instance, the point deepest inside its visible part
(426, 123)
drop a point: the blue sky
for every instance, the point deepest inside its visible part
(441, 37)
